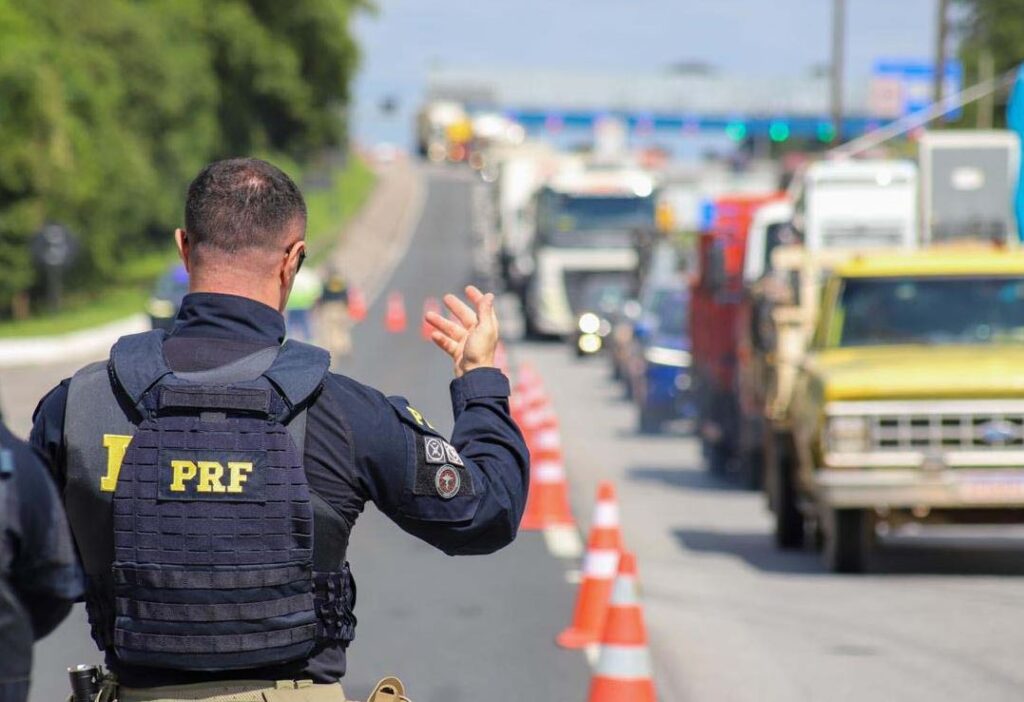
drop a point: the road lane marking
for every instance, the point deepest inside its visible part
(563, 542)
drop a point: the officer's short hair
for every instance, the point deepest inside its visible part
(241, 204)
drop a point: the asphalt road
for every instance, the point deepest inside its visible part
(455, 629)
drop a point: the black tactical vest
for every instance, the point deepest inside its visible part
(187, 494)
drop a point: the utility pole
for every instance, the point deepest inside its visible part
(942, 27)
(838, 30)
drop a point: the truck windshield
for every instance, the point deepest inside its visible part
(931, 310)
(593, 222)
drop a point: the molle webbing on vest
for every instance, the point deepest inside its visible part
(335, 604)
(203, 547)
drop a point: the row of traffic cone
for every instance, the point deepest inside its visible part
(547, 503)
(608, 611)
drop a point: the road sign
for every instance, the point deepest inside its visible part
(54, 248)
(902, 87)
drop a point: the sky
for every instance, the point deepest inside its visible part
(751, 37)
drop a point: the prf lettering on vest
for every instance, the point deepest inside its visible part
(208, 476)
(116, 446)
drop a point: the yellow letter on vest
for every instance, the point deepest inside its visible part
(182, 471)
(210, 473)
(116, 445)
(239, 474)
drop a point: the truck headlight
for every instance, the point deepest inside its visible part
(661, 356)
(848, 435)
(589, 323)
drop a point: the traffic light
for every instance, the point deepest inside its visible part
(826, 132)
(736, 130)
(778, 131)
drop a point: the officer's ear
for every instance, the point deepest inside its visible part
(184, 246)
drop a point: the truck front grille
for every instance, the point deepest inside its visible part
(950, 432)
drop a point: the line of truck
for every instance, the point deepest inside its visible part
(834, 330)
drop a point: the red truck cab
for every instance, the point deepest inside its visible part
(716, 300)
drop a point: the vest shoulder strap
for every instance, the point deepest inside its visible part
(298, 372)
(137, 362)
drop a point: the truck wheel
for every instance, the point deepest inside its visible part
(848, 540)
(789, 521)
(650, 422)
(716, 457)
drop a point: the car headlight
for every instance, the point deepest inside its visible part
(589, 323)
(589, 343)
(848, 435)
(662, 356)
(160, 308)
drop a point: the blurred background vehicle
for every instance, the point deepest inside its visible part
(660, 374)
(590, 225)
(168, 292)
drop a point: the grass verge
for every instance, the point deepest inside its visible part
(329, 208)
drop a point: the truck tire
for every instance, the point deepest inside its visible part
(789, 521)
(848, 540)
(650, 421)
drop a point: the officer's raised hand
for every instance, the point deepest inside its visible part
(472, 337)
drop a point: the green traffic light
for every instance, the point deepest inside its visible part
(826, 132)
(778, 131)
(737, 131)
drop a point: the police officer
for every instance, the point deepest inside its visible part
(39, 578)
(212, 475)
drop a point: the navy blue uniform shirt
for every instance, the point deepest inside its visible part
(358, 449)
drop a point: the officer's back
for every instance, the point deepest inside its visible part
(212, 477)
(39, 579)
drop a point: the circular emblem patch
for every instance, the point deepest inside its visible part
(447, 482)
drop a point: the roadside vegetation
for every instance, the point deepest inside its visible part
(110, 108)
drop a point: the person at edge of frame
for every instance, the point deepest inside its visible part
(197, 466)
(39, 576)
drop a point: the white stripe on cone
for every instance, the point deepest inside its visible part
(548, 439)
(601, 563)
(606, 514)
(549, 472)
(624, 592)
(624, 662)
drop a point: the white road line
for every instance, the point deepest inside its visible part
(563, 541)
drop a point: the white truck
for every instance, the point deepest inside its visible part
(856, 204)
(968, 184)
(588, 224)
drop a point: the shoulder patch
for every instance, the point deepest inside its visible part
(438, 470)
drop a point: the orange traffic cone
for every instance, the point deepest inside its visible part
(356, 304)
(429, 305)
(624, 665)
(394, 315)
(599, 567)
(547, 503)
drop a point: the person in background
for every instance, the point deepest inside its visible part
(306, 292)
(39, 577)
(333, 318)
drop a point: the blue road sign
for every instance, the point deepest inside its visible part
(911, 83)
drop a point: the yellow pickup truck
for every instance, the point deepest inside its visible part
(909, 405)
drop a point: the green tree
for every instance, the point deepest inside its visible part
(108, 107)
(995, 27)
